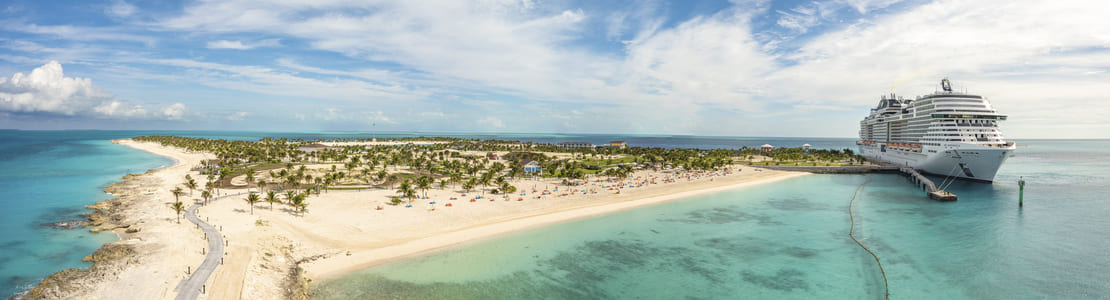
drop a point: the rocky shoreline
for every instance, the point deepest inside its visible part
(111, 258)
(138, 250)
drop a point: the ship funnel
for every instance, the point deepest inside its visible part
(947, 86)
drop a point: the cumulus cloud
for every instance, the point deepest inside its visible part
(174, 111)
(46, 90)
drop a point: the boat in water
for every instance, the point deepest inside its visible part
(946, 133)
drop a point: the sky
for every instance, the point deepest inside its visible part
(724, 68)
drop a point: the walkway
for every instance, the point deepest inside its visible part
(191, 287)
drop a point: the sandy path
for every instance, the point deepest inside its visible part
(195, 285)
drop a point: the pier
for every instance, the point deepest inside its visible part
(922, 182)
(927, 185)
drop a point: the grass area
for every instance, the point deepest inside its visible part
(606, 162)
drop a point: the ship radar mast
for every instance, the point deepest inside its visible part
(947, 86)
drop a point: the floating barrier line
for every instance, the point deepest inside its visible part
(852, 230)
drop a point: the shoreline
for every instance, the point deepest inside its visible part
(135, 265)
(362, 260)
(273, 253)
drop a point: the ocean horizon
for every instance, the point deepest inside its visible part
(52, 175)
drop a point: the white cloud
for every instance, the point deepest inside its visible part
(432, 114)
(362, 117)
(118, 109)
(46, 90)
(120, 9)
(497, 44)
(174, 111)
(79, 33)
(264, 80)
(492, 122)
(800, 18)
(237, 116)
(222, 44)
(865, 6)
(238, 45)
(670, 75)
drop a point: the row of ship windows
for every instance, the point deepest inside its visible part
(951, 134)
(966, 110)
(945, 102)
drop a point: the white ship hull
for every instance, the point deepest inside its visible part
(966, 161)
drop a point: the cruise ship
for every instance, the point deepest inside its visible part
(946, 133)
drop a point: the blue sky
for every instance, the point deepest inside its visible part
(733, 68)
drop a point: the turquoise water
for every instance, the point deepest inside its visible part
(783, 240)
(789, 240)
(50, 177)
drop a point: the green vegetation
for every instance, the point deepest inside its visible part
(296, 167)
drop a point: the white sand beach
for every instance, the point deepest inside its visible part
(345, 231)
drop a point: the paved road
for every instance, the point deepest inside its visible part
(190, 288)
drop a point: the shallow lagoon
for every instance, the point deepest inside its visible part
(789, 240)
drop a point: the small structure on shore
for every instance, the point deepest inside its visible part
(531, 166)
(618, 144)
(766, 147)
(575, 145)
(806, 148)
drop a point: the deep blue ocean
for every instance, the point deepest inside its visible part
(782, 240)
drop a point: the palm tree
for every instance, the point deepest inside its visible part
(179, 207)
(456, 177)
(298, 202)
(406, 190)
(252, 198)
(424, 183)
(177, 192)
(469, 184)
(206, 195)
(292, 180)
(192, 184)
(250, 178)
(289, 194)
(272, 197)
(485, 179)
(261, 185)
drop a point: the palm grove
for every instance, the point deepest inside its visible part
(289, 171)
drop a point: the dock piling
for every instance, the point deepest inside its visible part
(1021, 191)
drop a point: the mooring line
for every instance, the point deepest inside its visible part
(852, 230)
